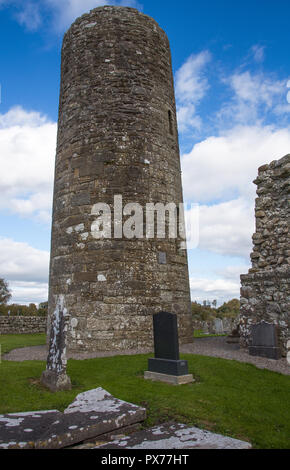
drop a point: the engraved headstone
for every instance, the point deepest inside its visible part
(55, 377)
(234, 336)
(166, 365)
(218, 326)
(166, 345)
(264, 341)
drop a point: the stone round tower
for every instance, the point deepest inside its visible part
(117, 136)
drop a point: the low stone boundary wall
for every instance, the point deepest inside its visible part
(28, 325)
(22, 325)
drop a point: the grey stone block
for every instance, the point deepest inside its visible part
(176, 436)
(168, 378)
(92, 414)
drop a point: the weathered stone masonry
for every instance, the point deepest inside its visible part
(265, 291)
(117, 135)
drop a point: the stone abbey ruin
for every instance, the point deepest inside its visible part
(265, 290)
(117, 135)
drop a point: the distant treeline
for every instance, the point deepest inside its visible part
(204, 312)
(30, 310)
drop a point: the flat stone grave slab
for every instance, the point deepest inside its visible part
(23, 430)
(175, 436)
(92, 414)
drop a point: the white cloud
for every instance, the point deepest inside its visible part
(219, 284)
(233, 273)
(27, 142)
(191, 82)
(218, 174)
(17, 116)
(26, 13)
(28, 292)
(21, 262)
(30, 16)
(255, 95)
(188, 119)
(256, 88)
(26, 269)
(227, 228)
(62, 13)
(66, 11)
(258, 53)
(223, 167)
(214, 289)
(191, 85)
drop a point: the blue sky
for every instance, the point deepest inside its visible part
(231, 66)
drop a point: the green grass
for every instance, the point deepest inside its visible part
(200, 334)
(228, 397)
(9, 342)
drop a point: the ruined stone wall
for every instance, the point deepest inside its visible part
(117, 135)
(22, 325)
(265, 290)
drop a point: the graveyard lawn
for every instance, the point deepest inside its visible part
(9, 342)
(201, 334)
(228, 397)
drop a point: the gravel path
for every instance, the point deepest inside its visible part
(214, 346)
(39, 353)
(217, 347)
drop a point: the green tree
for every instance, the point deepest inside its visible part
(32, 309)
(229, 309)
(42, 309)
(202, 312)
(5, 294)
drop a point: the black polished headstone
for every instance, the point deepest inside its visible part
(166, 346)
(264, 341)
(166, 366)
